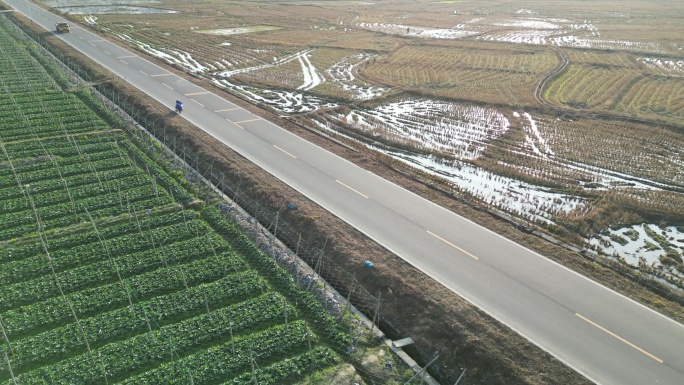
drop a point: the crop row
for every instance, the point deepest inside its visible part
(104, 272)
(67, 170)
(105, 205)
(16, 80)
(11, 252)
(122, 359)
(66, 213)
(63, 146)
(66, 108)
(28, 129)
(39, 98)
(282, 371)
(62, 113)
(130, 320)
(63, 259)
(37, 159)
(19, 78)
(235, 357)
(33, 98)
(74, 181)
(76, 193)
(18, 65)
(112, 207)
(46, 117)
(41, 315)
(161, 176)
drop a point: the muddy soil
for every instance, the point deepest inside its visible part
(412, 304)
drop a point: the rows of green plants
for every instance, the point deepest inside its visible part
(121, 359)
(46, 128)
(235, 357)
(87, 253)
(64, 171)
(66, 109)
(294, 367)
(109, 204)
(65, 147)
(106, 181)
(40, 159)
(281, 279)
(106, 278)
(161, 176)
(122, 323)
(73, 181)
(39, 316)
(19, 72)
(14, 252)
(94, 274)
(44, 110)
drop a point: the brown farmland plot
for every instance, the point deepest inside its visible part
(494, 74)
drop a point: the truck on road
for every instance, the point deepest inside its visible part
(62, 27)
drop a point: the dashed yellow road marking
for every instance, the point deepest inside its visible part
(247, 121)
(452, 245)
(228, 109)
(618, 337)
(158, 75)
(284, 151)
(197, 93)
(354, 190)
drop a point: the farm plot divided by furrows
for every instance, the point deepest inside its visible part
(105, 277)
(464, 72)
(621, 82)
(587, 86)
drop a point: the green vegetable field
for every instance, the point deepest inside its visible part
(109, 270)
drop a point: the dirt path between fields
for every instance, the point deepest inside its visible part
(412, 304)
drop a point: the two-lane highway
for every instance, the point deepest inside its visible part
(603, 335)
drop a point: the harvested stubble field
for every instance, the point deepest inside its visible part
(490, 53)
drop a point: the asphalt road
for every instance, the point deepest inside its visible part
(607, 337)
